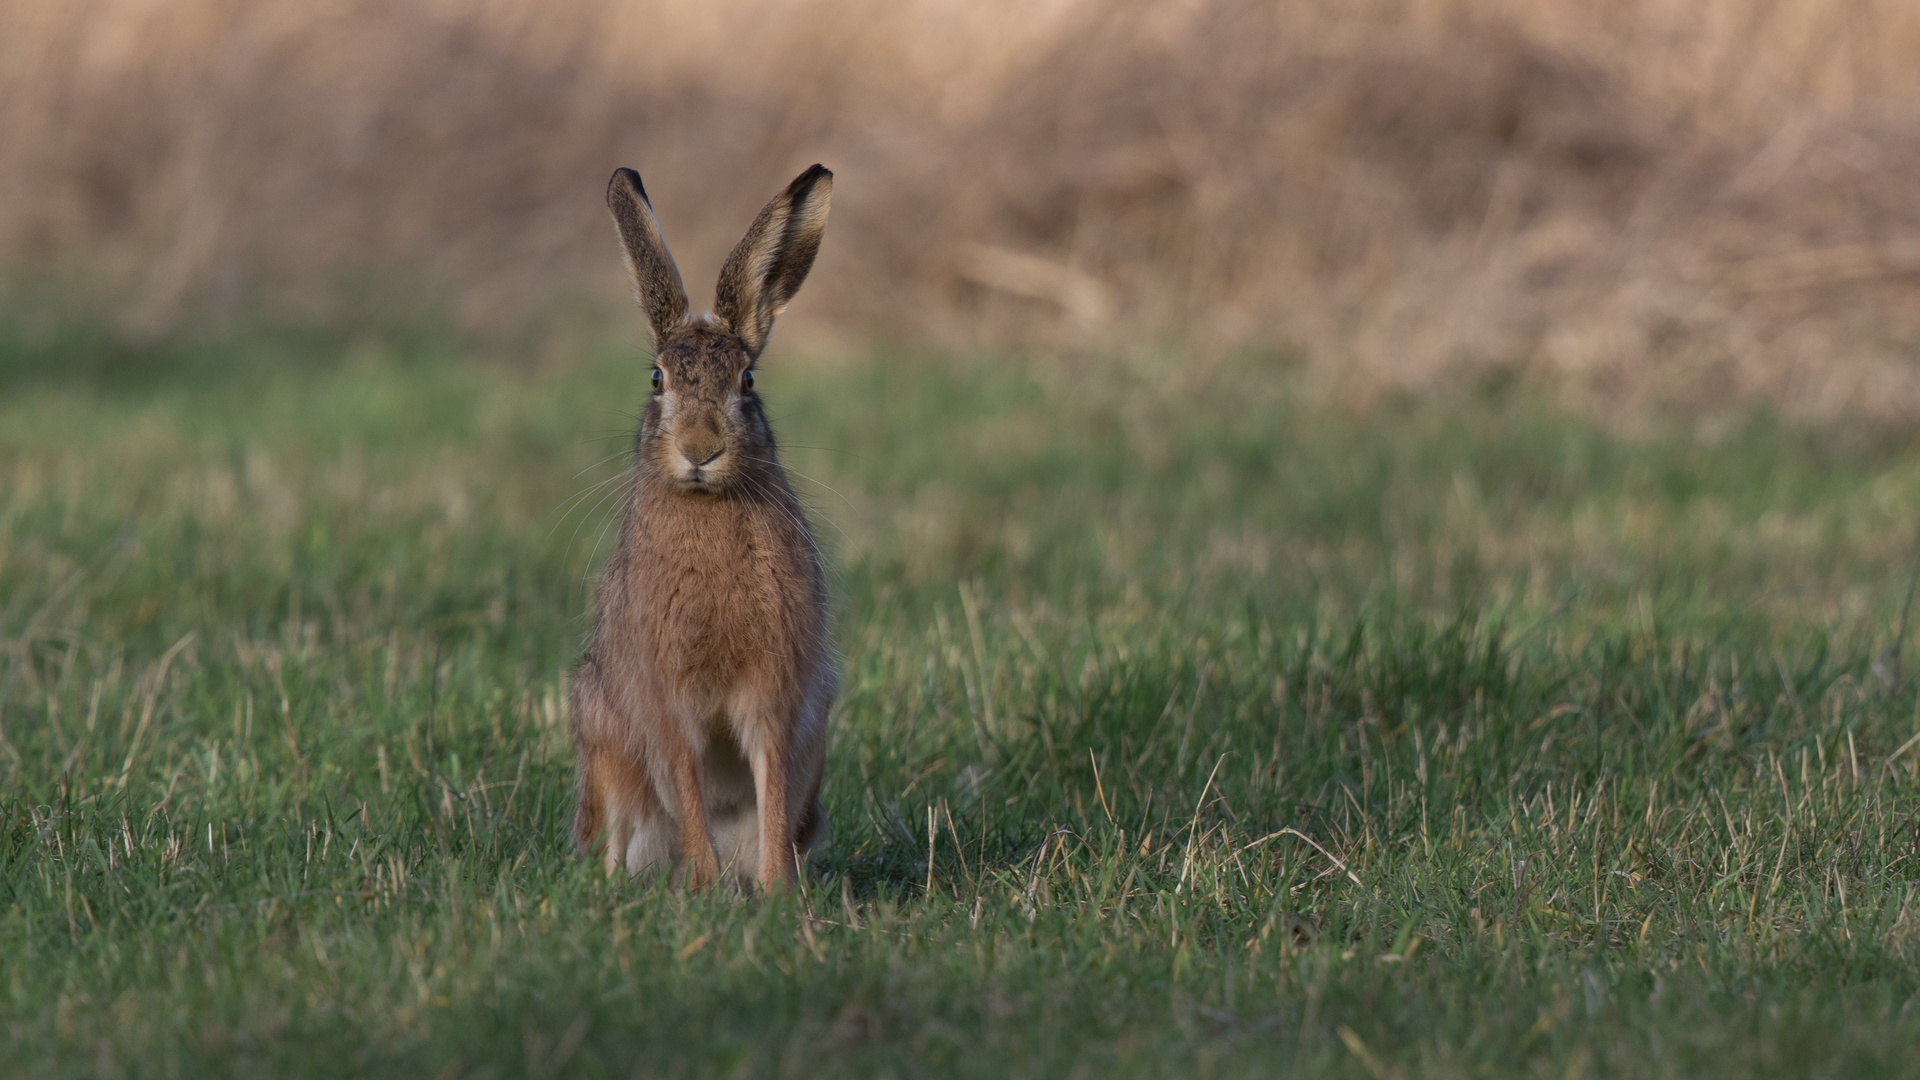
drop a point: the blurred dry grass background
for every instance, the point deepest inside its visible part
(1689, 202)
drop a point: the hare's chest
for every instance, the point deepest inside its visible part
(712, 611)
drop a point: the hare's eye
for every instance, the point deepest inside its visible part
(659, 382)
(746, 380)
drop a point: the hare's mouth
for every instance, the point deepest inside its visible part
(709, 475)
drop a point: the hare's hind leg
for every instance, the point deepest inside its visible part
(602, 809)
(590, 812)
(638, 833)
(810, 831)
(617, 800)
(809, 764)
(726, 779)
(650, 847)
(591, 722)
(788, 752)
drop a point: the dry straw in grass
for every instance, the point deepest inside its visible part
(1693, 200)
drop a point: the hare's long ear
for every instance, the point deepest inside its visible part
(768, 265)
(656, 281)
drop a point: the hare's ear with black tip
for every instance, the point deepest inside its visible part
(656, 281)
(768, 265)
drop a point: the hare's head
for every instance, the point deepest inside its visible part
(705, 427)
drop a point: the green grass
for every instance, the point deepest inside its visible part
(1592, 724)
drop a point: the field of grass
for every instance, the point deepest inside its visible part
(1192, 726)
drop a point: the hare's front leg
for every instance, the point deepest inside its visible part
(696, 839)
(770, 782)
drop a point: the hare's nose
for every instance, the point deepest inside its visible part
(701, 447)
(702, 452)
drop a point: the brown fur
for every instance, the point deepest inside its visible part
(699, 710)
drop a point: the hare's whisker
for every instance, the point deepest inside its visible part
(800, 524)
(597, 464)
(595, 553)
(588, 516)
(573, 503)
(817, 483)
(767, 497)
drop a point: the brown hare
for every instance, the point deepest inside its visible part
(700, 708)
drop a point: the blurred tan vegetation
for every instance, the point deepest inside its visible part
(1693, 202)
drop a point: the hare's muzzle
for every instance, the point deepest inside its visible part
(701, 454)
